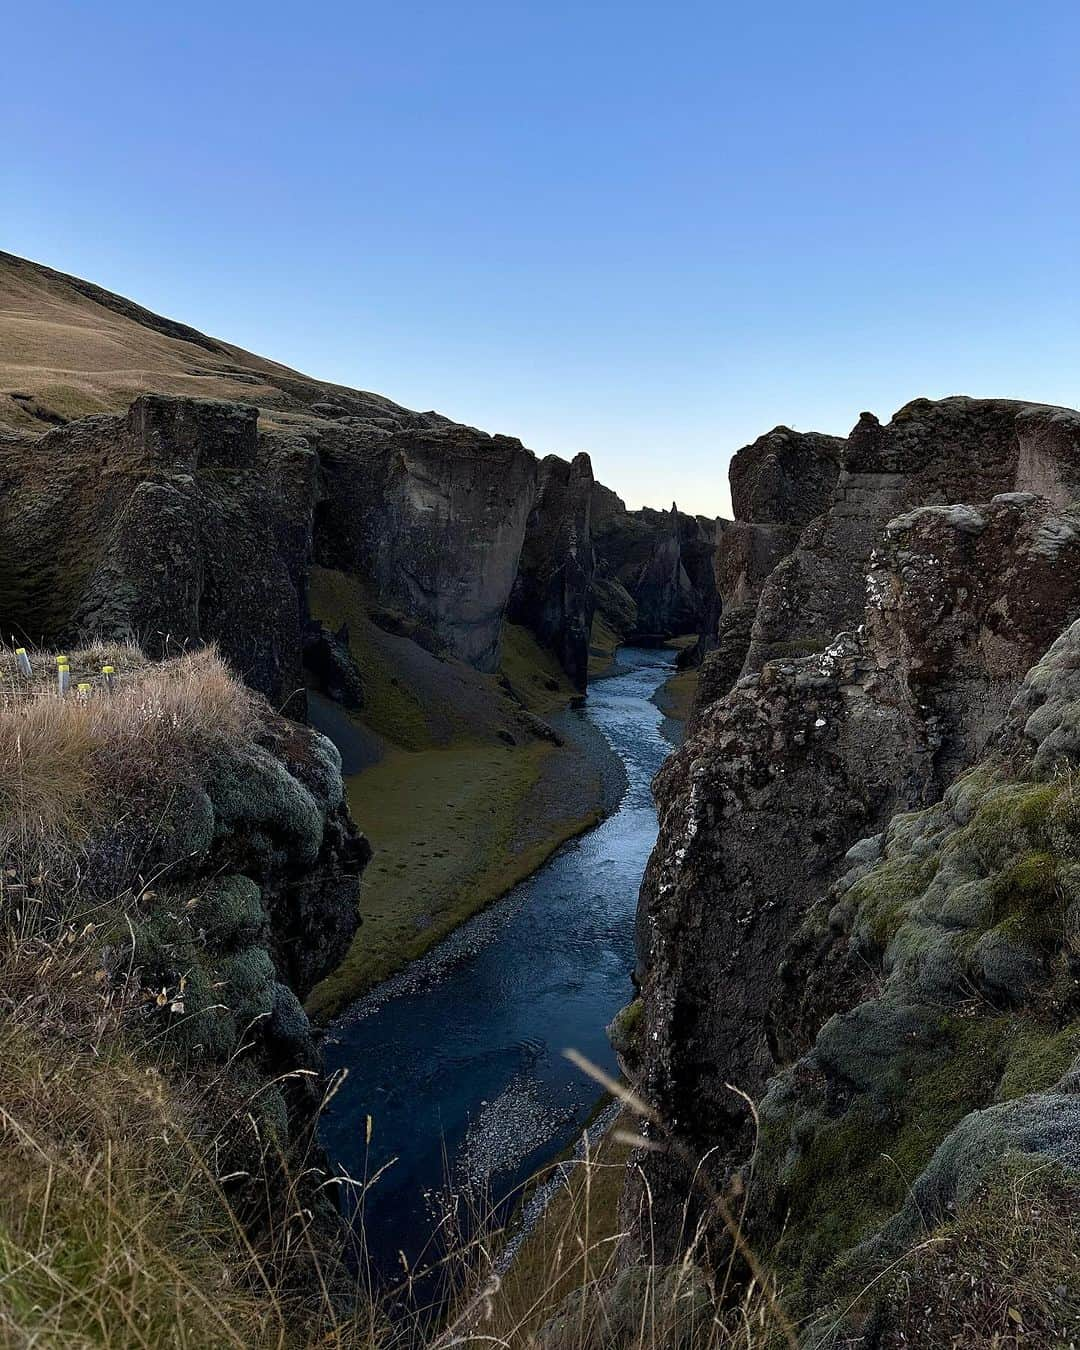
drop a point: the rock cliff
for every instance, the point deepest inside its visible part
(655, 574)
(173, 525)
(810, 509)
(930, 998)
(941, 608)
(553, 592)
(190, 518)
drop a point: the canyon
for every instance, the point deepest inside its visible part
(855, 1021)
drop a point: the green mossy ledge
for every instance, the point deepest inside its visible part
(959, 927)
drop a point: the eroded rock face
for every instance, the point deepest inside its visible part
(182, 522)
(174, 525)
(961, 601)
(777, 779)
(931, 453)
(811, 509)
(778, 483)
(655, 574)
(553, 593)
(932, 1009)
(785, 477)
(433, 515)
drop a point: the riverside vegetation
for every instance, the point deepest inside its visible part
(850, 1086)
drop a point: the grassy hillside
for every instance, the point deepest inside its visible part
(69, 349)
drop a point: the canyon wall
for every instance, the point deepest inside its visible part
(174, 519)
(655, 571)
(182, 522)
(885, 648)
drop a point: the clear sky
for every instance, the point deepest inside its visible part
(647, 230)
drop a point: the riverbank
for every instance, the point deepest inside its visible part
(464, 783)
(459, 1058)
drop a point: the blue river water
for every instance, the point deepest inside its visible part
(459, 1060)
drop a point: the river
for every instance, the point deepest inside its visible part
(459, 1060)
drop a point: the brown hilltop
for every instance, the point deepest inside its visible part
(69, 348)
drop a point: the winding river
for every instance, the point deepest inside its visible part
(458, 1060)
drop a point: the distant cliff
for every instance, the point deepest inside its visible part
(180, 518)
(655, 570)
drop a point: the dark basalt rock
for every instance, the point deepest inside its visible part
(930, 1001)
(778, 777)
(174, 525)
(553, 593)
(433, 516)
(329, 660)
(654, 570)
(182, 523)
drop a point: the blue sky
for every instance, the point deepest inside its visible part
(651, 231)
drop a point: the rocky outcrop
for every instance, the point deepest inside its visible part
(781, 776)
(172, 526)
(931, 1002)
(655, 574)
(779, 483)
(433, 516)
(182, 523)
(553, 593)
(931, 453)
(810, 509)
(255, 869)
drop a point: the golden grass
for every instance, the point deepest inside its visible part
(68, 760)
(116, 1229)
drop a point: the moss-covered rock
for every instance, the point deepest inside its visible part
(956, 1059)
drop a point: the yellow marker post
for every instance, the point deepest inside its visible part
(107, 673)
(23, 662)
(63, 675)
(84, 690)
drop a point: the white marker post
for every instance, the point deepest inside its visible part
(107, 673)
(63, 675)
(23, 662)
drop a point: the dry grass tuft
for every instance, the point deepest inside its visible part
(71, 761)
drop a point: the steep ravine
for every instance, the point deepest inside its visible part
(858, 913)
(458, 1060)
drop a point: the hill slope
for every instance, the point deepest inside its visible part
(69, 348)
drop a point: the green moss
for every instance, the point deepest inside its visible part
(797, 647)
(1028, 905)
(1010, 819)
(883, 897)
(848, 1174)
(1037, 1059)
(627, 1028)
(534, 672)
(391, 708)
(231, 913)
